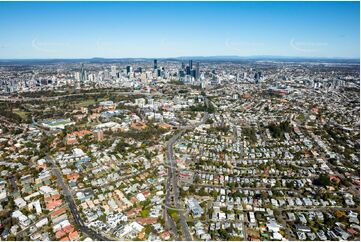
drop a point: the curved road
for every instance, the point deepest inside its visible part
(172, 182)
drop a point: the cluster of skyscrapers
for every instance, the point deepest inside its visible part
(189, 71)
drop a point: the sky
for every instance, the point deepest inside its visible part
(173, 29)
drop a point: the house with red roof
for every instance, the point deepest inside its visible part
(73, 137)
(74, 235)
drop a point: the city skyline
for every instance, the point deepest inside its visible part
(58, 30)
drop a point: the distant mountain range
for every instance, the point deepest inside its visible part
(231, 58)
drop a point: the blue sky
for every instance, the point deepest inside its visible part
(171, 29)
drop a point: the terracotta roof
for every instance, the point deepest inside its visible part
(352, 231)
(52, 198)
(141, 235)
(80, 133)
(53, 204)
(147, 220)
(69, 228)
(146, 193)
(74, 235)
(73, 176)
(59, 234)
(57, 212)
(165, 235)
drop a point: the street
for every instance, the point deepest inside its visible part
(72, 206)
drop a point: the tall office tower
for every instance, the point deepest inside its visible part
(106, 75)
(113, 71)
(129, 69)
(77, 76)
(191, 64)
(188, 70)
(197, 71)
(257, 76)
(194, 74)
(155, 64)
(183, 65)
(82, 73)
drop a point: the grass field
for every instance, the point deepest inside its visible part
(21, 113)
(88, 102)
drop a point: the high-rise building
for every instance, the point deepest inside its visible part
(155, 64)
(188, 70)
(82, 73)
(197, 71)
(77, 76)
(113, 71)
(257, 76)
(194, 74)
(106, 74)
(129, 69)
(191, 64)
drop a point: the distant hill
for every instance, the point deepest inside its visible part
(231, 58)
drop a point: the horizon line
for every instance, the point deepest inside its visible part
(179, 57)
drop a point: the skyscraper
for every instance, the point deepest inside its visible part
(197, 71)
(82, 73)
(257, 76)
(129, 69)
(194, 74)
(191, 64)
(155, 64)
(188, 70)
(113, 70)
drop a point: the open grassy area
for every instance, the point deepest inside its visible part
(21, 113)
(173, 213)
(87, 102)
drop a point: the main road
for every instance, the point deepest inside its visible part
(172, 182)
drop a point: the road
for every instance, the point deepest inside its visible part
(170, 186)
(72, 206)
(172, 182)
(174, 179)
